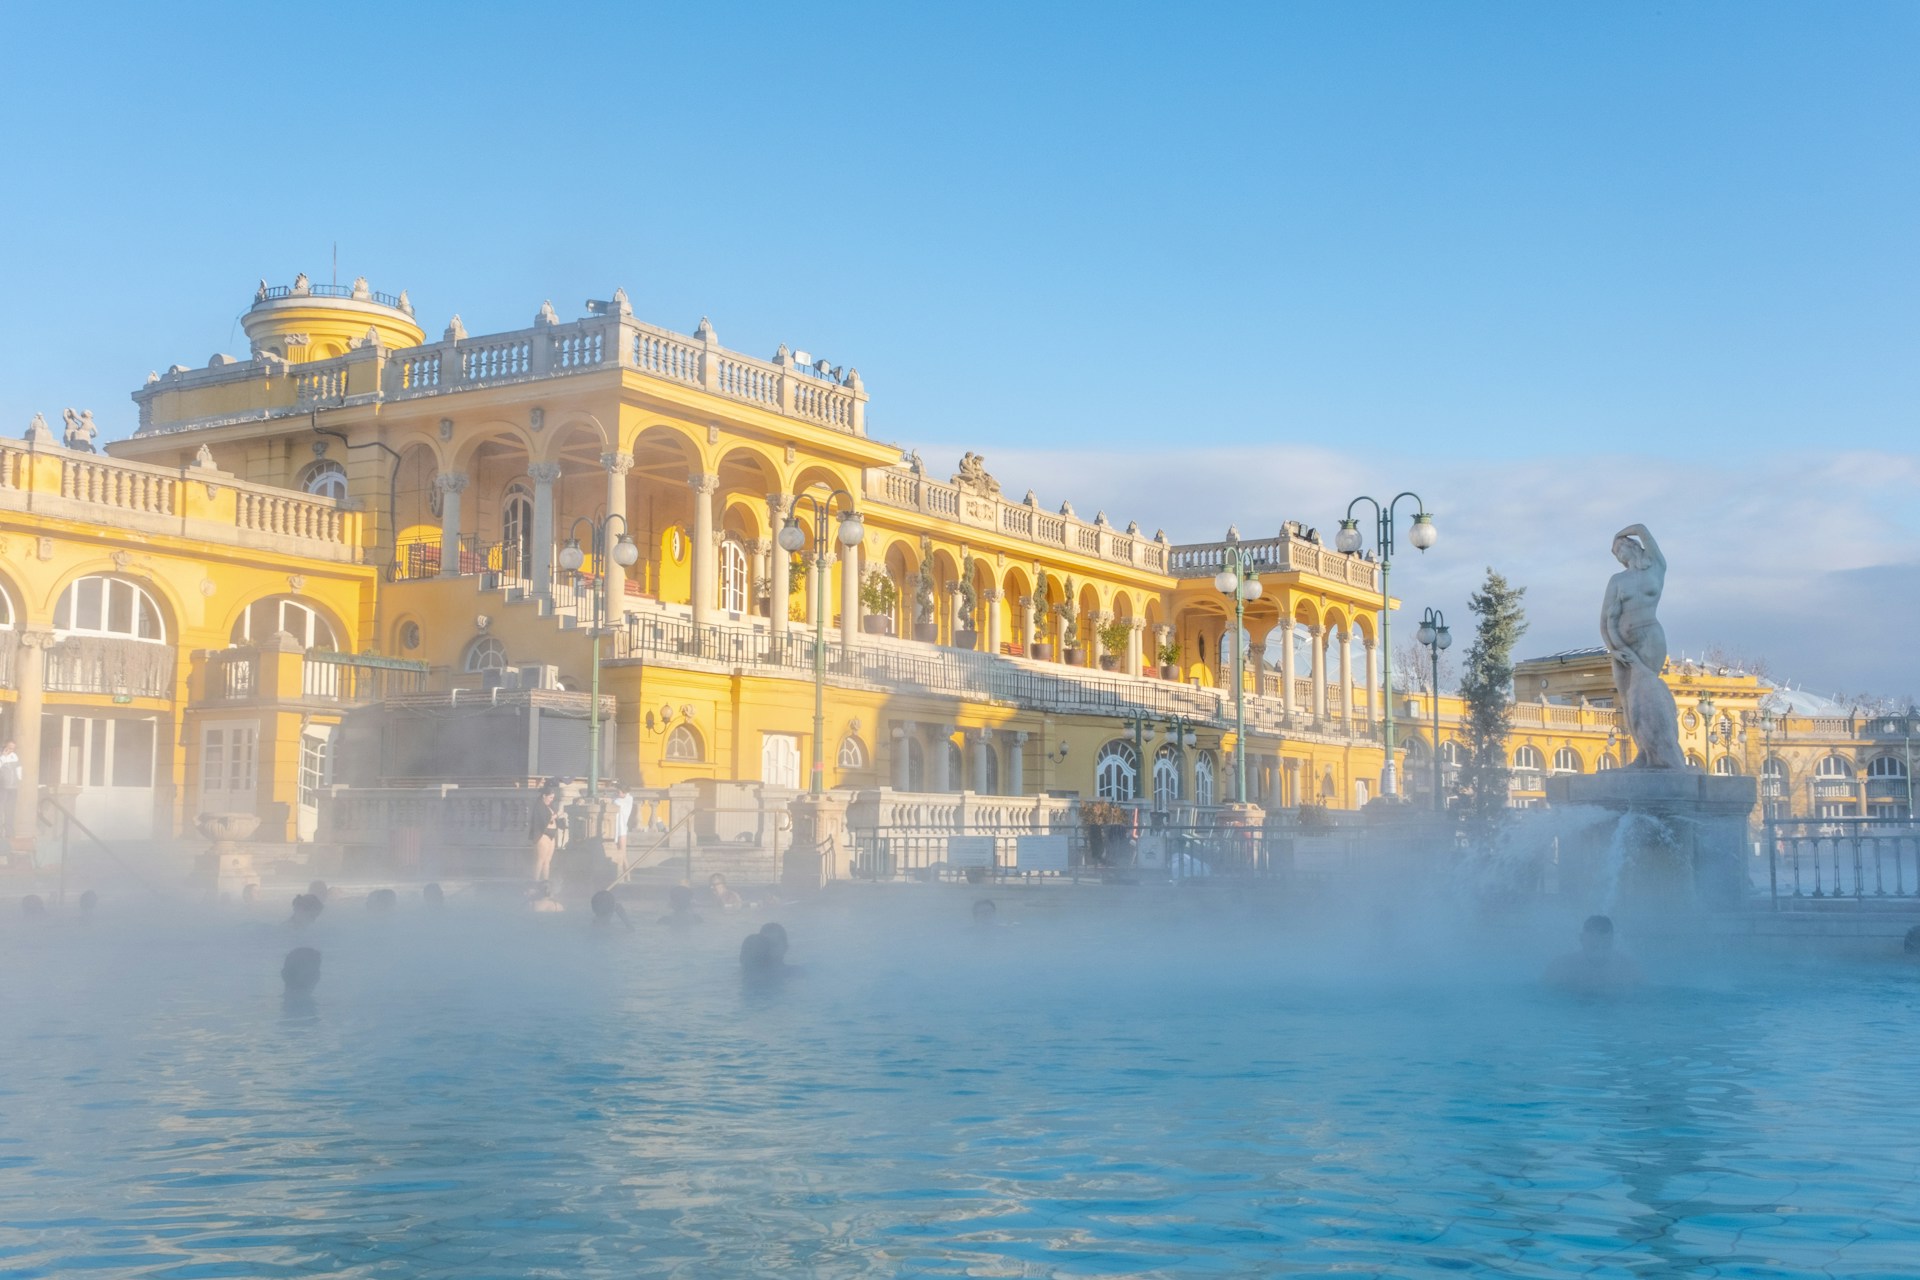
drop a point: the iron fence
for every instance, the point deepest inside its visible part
(1823, 859)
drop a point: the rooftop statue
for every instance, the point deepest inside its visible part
(973, 475)
(80, 431)
(1637, 644)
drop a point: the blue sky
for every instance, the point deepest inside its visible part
(1491, 245)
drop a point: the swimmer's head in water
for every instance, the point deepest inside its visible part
(301, 970)
(776, 936)
(756, 953)
(716, 881)
(1596, 936)
(603, 905)
(680, 898)
(33, 907)
(306, 908)
(433, 895)
(382, 901)
(985, 912)
(318, 889)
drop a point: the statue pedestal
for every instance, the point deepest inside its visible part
(1677, 847)
(586, 864)
(821, 843)
(227, 868)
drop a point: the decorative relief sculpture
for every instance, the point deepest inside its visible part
(1637, 643)
(80, 431)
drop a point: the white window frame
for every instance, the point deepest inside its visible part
(66, 609)
(1116, 772)
(325, 479)
(735, 577)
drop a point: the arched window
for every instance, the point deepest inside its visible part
(1605, 762)
(101, 606)
(1203, 769)
(1452, 754)
(1887, 767)
(733, 577)
(1725, 767)
(325, 479)
(853, 753)
(1116, 772)
(486, 654)
(263, 618)
(1166, 776)
(516, 528)
(1774, 769)
(1566, 760)
(6, 610)
(684, 745)
(1526, 757)
(1834, 767)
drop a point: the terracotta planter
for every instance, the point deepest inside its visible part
(1169, 672)
(1109, 662)
(926, 632)
(966, 639)
(1040, 651)
(876, 625)
(1076, 657)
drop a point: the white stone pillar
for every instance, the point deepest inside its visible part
(1026, 626)
(30, 682)
(1373, 684)
(849, 594)
(1135, 659)
(1319, 637)
(779, 506)
(1016, 783)
(996, 630)
(1287, 701)
(902, 735)
(942, 750)
(544, 474)
(982, 748)
(451, 485)
(706, 583)
(614, 577)
(1346, 675)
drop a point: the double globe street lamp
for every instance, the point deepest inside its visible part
(1234, 580)
(625, 553)
(1422, 535)
(1434, 634)
(793, 540)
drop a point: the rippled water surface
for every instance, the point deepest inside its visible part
(1158, 1087)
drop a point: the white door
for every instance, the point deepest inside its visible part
(229, 766)
(316, 775)
(780, 760)
(110, 762)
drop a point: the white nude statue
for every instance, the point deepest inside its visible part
(1638, 646)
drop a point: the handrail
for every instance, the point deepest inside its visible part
(634, 863)
(72, 821)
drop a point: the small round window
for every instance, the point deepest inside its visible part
(409, 635)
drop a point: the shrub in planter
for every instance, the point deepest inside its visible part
(878, 595)
(1113, 643)
(1169, 657)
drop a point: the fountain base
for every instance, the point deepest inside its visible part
(1678, 847)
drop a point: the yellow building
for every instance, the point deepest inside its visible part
(352, 511)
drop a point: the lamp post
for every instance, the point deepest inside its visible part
(1705, 707)
(1434, 634)
(1769, 785)
(624, 553)
(793, 539)
(1422, 535)
(1141, 726)
(1233, 580)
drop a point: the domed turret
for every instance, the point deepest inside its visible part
(307, 321)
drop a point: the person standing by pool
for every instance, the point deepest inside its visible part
(622, 819)
(9, 791)
(545, 829)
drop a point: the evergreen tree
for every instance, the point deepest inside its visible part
(1480, 792)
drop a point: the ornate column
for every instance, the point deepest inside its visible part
(706, 586)
(1373, 683)
(615, 577)
(982, 748)
(756, 549)
(1135, 659)
(30, 677)
(544, 474)
(942, 754)
(1346, 675)
(1016, 783)
(902, 735)
(1318, 636)
(996, 633)
(451, 485)
(779, 507)
(849, 594)
(1287, 676)
(1096, 619)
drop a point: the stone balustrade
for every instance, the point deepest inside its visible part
(372, 374)
(1286, 553)
(201, 503)
(958, 812)
(907, 490)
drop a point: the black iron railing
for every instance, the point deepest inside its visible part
(277, 291)
(1821, 859)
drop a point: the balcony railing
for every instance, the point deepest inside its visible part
(910, 491)
(274, 292)
(1287, 553)
(342, 679)
(372, 374)
(111, 665)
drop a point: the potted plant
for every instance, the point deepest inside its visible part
(878, 595)
(1169, 657)
(1109, 829)
(925, 629)
(967, 598)
(1070, 628)
(1040, 648)
(1114, 636)
(797, 589)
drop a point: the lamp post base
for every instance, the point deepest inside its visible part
(821, 843)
